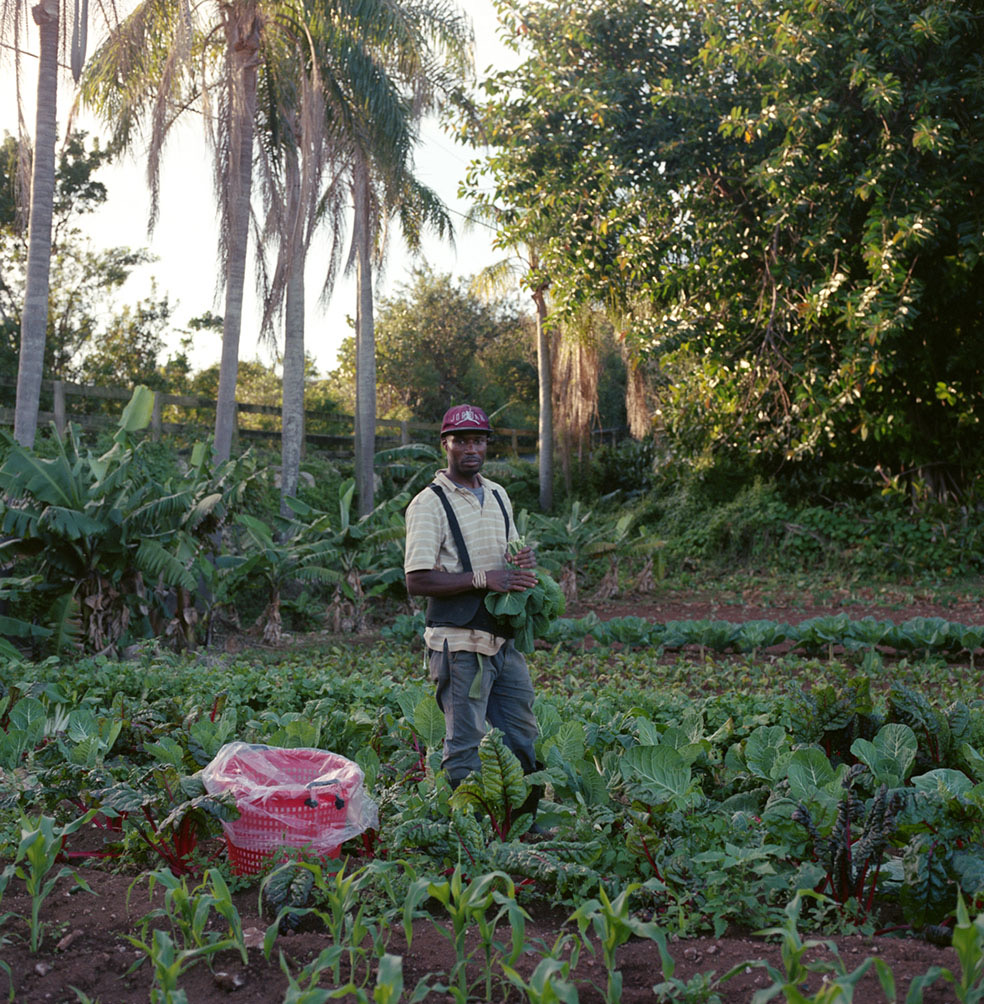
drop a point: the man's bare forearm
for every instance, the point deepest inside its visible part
(499, 580)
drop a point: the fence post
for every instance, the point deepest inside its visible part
(58, 387)
(515, 443)
(156, 425)
(404, 433)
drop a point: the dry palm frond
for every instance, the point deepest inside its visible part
(608, 587)
(638, 415)
(575, 386)
(568, 583)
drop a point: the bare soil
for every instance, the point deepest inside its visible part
(85, 946)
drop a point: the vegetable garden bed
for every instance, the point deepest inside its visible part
(662, 735)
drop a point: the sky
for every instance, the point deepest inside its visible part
(184, 239)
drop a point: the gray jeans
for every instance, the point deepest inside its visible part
(505, 701)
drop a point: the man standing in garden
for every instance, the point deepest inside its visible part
(458, 529)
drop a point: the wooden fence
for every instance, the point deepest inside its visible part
(336, 433)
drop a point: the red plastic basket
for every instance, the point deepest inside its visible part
(290, 812)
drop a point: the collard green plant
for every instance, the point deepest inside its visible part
(528, 613)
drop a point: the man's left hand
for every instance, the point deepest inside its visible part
(526, 558)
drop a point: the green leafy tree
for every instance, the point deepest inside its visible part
(82, 279)
(126, 353)
(438, 344)
(780, 203)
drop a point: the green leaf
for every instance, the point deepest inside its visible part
(29, 716)
(660, 770)
(944, 781)
(891, 756)
(160, 563)
(809, 769)
(139, 410)
(766, 751)
(428, 722)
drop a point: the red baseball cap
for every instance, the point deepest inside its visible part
(463, 418)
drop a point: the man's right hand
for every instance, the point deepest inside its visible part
(510, 580)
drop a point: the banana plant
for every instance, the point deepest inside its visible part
(360, 556)
(278, 561)
(111, 543)
(566, 543)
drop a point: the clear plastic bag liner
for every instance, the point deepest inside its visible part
(290, 797)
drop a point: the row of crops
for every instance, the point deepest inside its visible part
(928, 636)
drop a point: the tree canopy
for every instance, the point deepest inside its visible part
(81, 317)
(781, 208)
(439, 344)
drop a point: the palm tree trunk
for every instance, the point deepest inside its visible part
(243, 39)
(34, 319)
(365, 344)
(292, 414)
(544, 367)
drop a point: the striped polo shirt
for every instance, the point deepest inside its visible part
(430, 545)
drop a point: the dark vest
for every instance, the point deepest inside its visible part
(467, 609)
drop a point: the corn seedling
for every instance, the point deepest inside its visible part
(838, 985)
(168, 963)
(613, 925)
(188, 912)
(467, 905)
(343, 911)
(39, 847)
(550, 981)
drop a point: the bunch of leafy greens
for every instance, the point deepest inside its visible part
(528, 613)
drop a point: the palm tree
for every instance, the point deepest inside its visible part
(322, 89)
(495, 278)
(165, 59)
(426, 53)
(300, 181)
(243, 25)
(50, 18)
